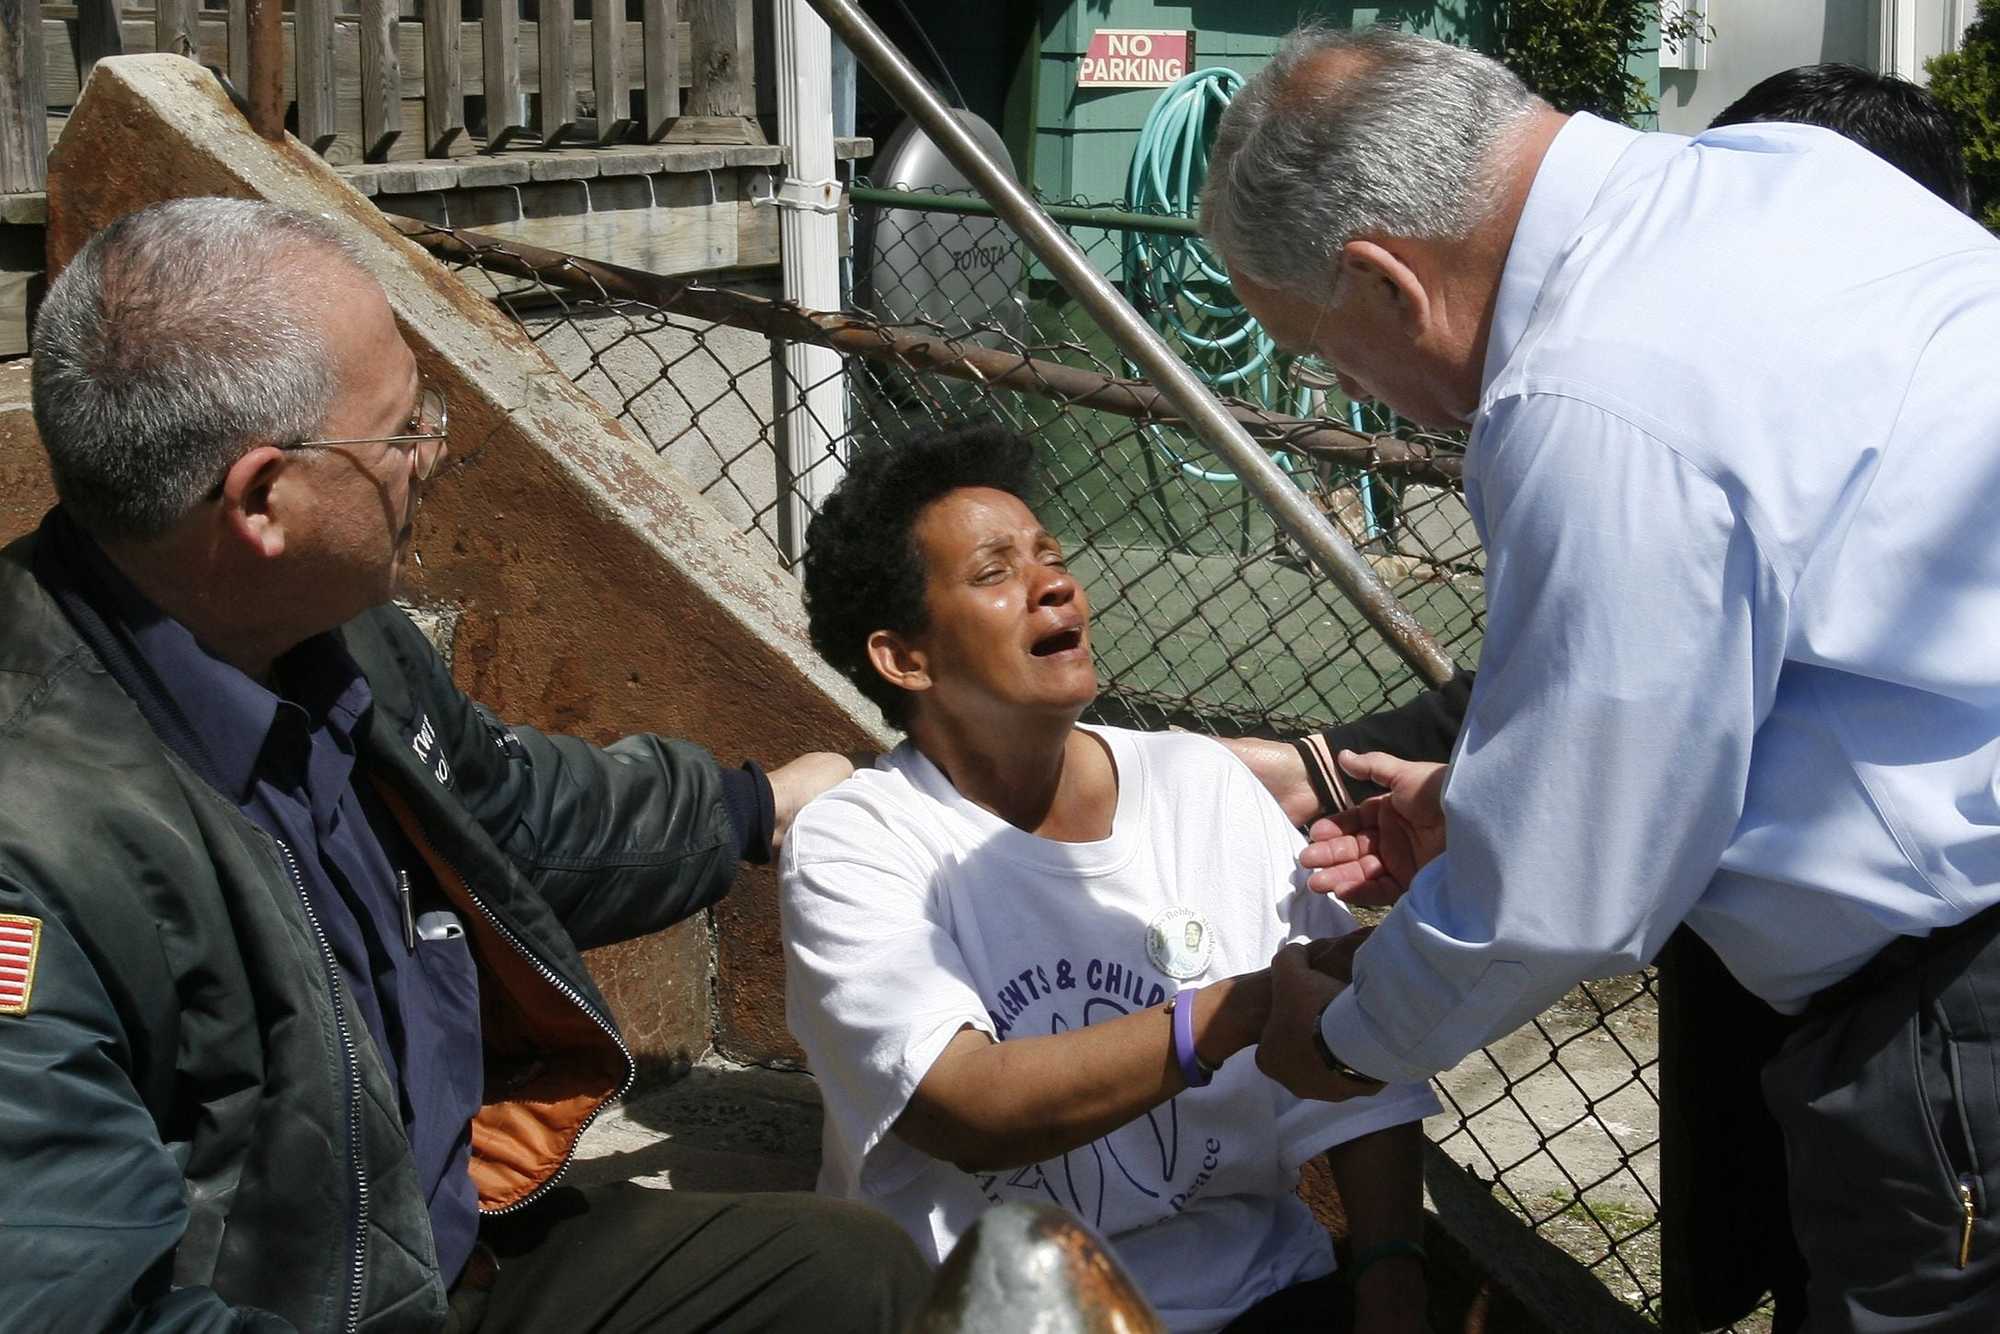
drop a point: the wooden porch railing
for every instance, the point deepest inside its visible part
(387, 80)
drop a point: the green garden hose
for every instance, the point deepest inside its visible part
(1177, 283)
(1175, 280)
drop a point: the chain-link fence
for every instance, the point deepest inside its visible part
(1204, 616)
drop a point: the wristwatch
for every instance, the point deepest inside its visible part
(1334, 1063)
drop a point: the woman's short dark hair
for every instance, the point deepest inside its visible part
(862, 569)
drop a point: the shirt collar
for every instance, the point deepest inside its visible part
(1573, 170)
(232, 714)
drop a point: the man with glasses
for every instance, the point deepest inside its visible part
(294, 1028)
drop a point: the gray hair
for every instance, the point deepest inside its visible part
(1401, 145)
(177, 338)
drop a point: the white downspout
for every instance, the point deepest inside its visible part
(811, 397)
(1957, 18)
(1897, 52)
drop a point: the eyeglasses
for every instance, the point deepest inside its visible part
(427, 425)
(1309, 370)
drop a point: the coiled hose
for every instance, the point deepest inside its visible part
(1177, 282)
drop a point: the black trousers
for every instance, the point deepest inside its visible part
(626, 1258)
(1316, 1306)
(1888, 1094)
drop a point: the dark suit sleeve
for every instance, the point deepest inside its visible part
(93, 1206)
(1423, 729)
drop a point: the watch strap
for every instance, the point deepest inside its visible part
(1333, 1062)
(1323, 774)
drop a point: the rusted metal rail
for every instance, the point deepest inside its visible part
(932, 353)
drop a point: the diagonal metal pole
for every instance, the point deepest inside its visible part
(1332, 553)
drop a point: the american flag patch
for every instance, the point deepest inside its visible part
(20, 937)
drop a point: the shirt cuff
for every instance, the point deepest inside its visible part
(1348, 1035)
(753, 812)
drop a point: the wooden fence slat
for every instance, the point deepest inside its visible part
(444, 77)
(723, 58)
(313, 37)
(558, 82)
(663, 85)
(269, 64)
(174, 27)
(405, 134)
(137, 34)
(500, 41)
(97, 34)
(381, 79)
(607, 65)
(24, 117)
(238, 58)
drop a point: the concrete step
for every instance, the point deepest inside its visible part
(720, 1127)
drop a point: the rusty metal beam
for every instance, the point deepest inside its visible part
(937, 354)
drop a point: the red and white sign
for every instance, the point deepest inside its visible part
(1135, 58)
(19, 937)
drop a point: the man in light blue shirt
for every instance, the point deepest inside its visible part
(1735, 410)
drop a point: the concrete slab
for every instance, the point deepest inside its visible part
(719, 1127)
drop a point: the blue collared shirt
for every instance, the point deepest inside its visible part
(1735, 465)
(286, 759)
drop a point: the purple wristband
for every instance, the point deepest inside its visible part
(1193, 1073)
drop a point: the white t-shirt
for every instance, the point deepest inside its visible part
(910, 913)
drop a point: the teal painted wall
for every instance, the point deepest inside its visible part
(1079, 140)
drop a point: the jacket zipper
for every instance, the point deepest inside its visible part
(570, 993)
(352, 1320)
(1965, 1204)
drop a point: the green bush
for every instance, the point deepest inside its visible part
(1967, 82)
(1578, 54)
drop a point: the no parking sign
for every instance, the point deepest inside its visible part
(1135, 58)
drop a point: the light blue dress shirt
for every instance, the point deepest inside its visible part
(1736, 464)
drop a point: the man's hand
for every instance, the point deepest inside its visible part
(1334, 955)
(1369, 854)
(1279, 767)
(795, 784)
(1287, 1052)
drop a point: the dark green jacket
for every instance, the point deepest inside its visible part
(195, 1132)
